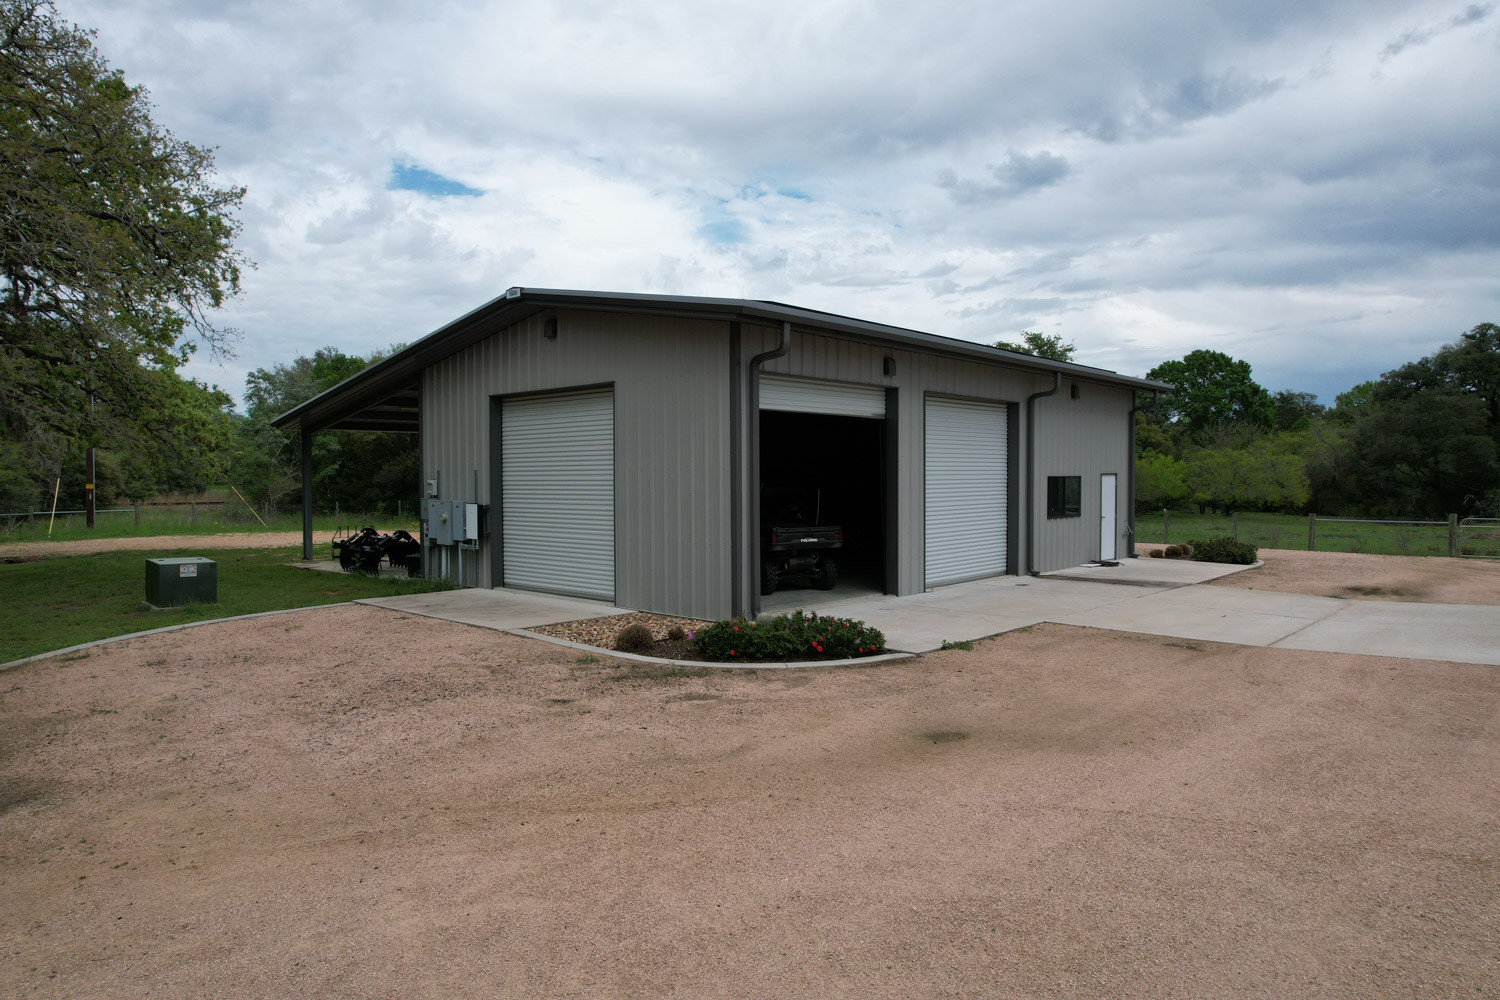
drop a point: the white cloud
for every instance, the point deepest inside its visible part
(1307, 185)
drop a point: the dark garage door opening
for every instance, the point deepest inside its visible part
(836, 466)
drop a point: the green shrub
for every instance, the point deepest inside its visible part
(675, 633)
(634, 639)
(793, 636)
(1179, 551)
(1224, 550)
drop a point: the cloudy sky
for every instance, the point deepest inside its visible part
(1312, 185)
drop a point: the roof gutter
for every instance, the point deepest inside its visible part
(783, 346)
(1031, 519)
(1130, 482)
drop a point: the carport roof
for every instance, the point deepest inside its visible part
(384, 395)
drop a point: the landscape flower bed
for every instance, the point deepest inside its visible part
(796, 635)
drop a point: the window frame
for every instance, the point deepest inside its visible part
(1058, 489)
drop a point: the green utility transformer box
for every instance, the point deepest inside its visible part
(173, 582)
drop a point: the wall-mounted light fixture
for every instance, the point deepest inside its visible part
(549, 328)
(890, 366)
(1074, 391)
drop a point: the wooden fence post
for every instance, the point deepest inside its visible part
(1312, 531)
(1164, 526)
(1234, 523)
(137, 515)
(1455, 548)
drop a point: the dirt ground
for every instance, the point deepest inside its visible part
(31, 551)
(1364, 577)
(279, 808)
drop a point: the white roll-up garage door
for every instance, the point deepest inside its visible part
(804, 395)
(557, 491)
(966, 477)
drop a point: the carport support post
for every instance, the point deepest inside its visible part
(307, 495)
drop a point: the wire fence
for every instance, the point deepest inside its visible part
(197, 518)
(1455, 537)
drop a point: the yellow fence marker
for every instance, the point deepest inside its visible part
(263, 524)
(54, 506)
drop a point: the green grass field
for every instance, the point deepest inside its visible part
(185, 521)
(60, 602)
(1289, 531)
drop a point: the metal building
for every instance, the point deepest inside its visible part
(617, 447)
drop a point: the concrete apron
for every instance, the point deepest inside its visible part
(1153, 599)
(1160, 597)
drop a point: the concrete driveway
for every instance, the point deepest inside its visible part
(1162, 597)
(1153, 596)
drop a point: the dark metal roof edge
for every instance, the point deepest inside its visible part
(409, 361)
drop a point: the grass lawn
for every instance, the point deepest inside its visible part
(1289, 531)
(186, 521)
(60, 602)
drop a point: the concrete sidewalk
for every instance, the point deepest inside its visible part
(497, 609)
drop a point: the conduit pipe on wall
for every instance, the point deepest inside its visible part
(783, 346)
(1130, 482)
(1031, 504)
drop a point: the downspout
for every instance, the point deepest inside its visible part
(1031, 518)
(779, 351)
(1130, 481)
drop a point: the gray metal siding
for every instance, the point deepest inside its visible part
(1086, 437)
(671, 385)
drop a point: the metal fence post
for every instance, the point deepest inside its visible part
(1312, 531)
(1455, 549)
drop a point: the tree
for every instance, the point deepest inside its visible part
(1212, 387)
(1042, 345)
(1296, 411)
(1256, 478)
(1160, 480)
(116, 245)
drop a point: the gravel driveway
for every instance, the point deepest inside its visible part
(282, 808)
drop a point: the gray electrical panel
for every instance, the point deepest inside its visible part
(454, 522)
(439, 515)
(173, 582)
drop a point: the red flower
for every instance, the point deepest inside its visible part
(736, 628)
(731, 652)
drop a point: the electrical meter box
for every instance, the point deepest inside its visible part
(171, 583)
(439, 517)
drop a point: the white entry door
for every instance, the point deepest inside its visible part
(1107, 488)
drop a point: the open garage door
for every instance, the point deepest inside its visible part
(822, 491)
(839, 399)
(967, 475)
(558, 493)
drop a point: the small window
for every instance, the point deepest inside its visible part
(1063, 493)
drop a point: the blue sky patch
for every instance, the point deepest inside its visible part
(406, 177)
(724, 231)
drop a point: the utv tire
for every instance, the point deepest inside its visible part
(828, 575)
(769, 579)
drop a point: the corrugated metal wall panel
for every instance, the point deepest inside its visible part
(1085, 437)
(967, 473)
(801, 395)
(558, 493)
(671, 384)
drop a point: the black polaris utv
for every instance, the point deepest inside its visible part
(793, 543)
